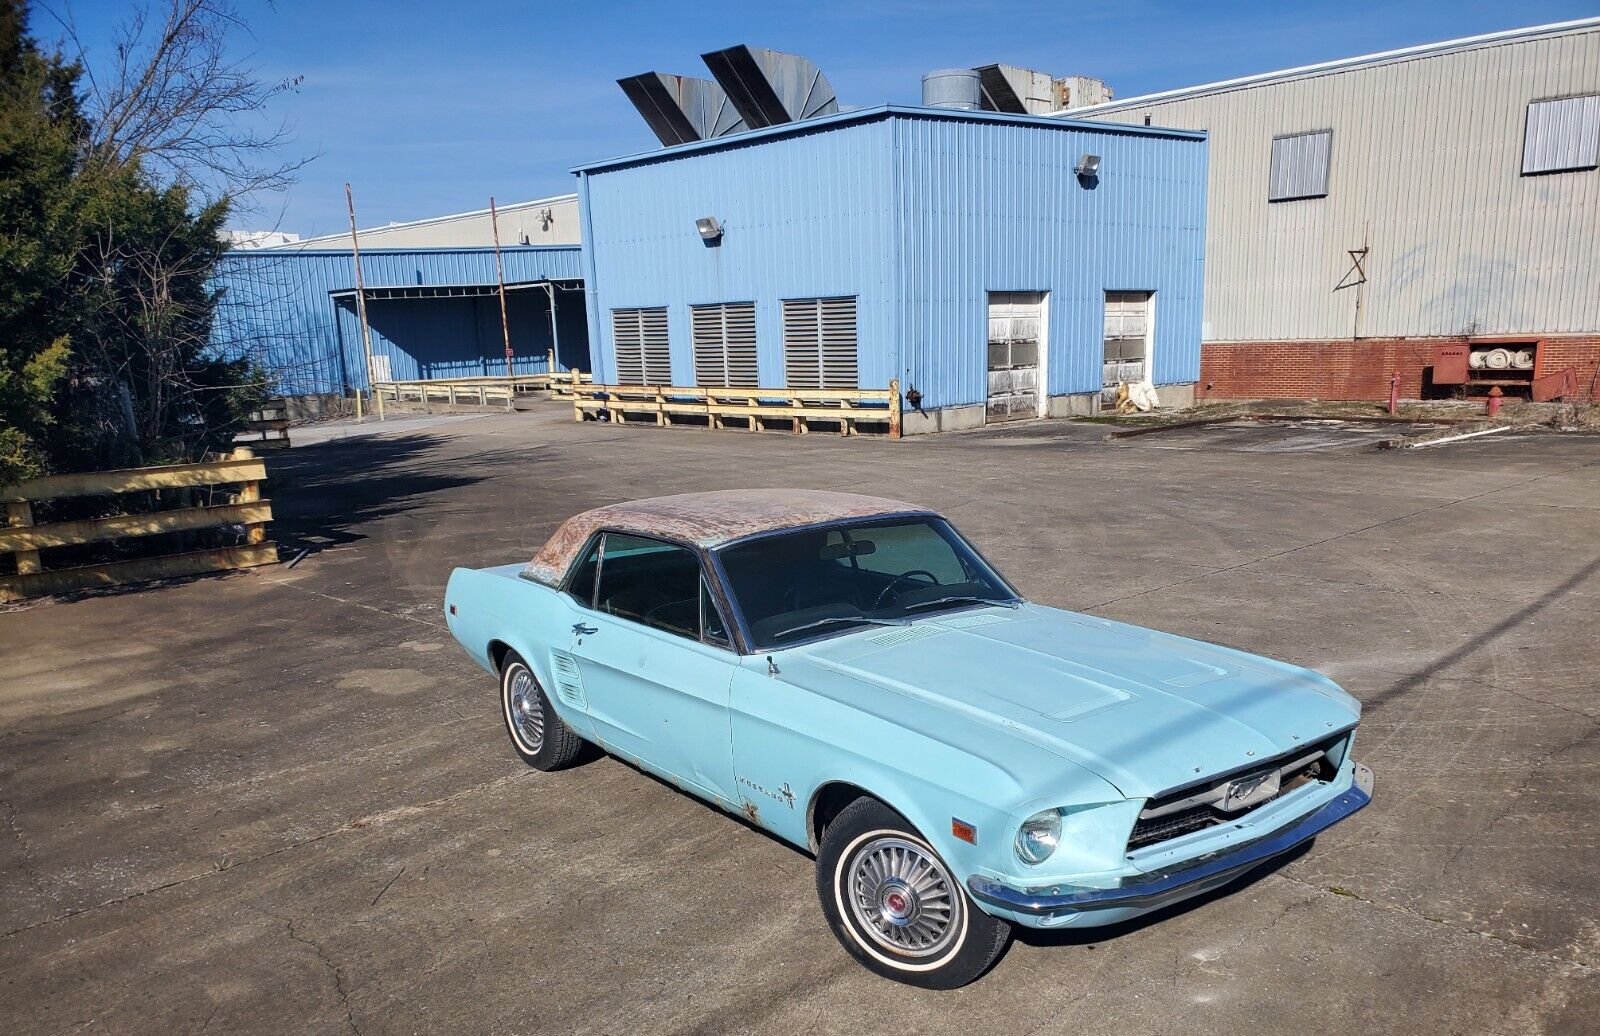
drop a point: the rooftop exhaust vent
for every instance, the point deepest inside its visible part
(682, 109)
(769, 88)
(1022, 91)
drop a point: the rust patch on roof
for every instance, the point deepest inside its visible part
(706, 519)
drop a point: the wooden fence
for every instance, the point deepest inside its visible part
(847, 408)
(268, 427)
(24, 540)
(489, 391)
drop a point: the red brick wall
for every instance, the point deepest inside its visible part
(1355, 369)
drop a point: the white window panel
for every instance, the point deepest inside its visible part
(820, 343)
(724, 340)
(1300, 166)
(644, 354)
(1562, 135)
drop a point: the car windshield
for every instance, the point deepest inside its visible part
(809, 583)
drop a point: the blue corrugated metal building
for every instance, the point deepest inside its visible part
(958, 251)
(433, 313)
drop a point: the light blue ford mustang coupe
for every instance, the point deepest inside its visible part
(849, 674)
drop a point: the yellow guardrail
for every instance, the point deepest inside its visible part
(23, 539)
(481, 391)
(847, 408)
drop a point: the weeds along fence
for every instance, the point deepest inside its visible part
(753, 409)
(179, 501)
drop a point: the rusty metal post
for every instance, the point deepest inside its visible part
(1394, 393)
(894, 408)
(500, 279)
(361, 309)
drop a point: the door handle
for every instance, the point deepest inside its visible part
(581, 630)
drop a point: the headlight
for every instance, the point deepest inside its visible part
(1039, 836)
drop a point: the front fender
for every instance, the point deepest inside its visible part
(790, 741)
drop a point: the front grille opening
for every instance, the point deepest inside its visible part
(1153, 830)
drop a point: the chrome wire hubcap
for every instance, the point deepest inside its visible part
(526, 710)
(903, 897)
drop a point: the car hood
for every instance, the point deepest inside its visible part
(1146, 711)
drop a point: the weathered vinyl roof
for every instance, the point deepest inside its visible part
(706, 519)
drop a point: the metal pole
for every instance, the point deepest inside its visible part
(361, 308)
(555, 335)
(500, 278)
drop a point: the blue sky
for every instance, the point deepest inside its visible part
(429, 107)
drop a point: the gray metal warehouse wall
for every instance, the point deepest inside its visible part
(1425, 171)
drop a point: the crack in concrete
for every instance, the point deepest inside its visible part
(353, 604)
(387, 886)
(372, 820)
(1544, 956)
(24, 848)
(332, 966)
(1513, 800)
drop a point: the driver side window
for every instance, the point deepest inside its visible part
(656, 584)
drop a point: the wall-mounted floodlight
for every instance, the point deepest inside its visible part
(1088, 166)
(710, 229)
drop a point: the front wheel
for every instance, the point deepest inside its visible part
(537, 733)
(895, 906)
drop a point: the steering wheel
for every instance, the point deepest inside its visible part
(903, 577)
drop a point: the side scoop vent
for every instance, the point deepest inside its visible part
(569, 679)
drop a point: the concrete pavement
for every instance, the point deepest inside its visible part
(282, 800)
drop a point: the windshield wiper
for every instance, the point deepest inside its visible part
(960, 599)
(834, 620)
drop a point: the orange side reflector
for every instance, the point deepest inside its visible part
(963, 830)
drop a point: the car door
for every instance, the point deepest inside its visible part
(655, 662)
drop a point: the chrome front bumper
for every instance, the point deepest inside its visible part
(1181, 879)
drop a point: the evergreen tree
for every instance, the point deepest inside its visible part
(41, 137)
(105, 308)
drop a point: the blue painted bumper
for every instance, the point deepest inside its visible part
(1138, 893)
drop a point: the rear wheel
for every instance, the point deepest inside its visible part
(895, 906)
(537, 733)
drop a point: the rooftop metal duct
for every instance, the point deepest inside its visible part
(769, 88)
(1007, 88)
(682, 109)
(952, 88)
(1022, 91)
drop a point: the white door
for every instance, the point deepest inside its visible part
(1128, 326)
(1016, 354)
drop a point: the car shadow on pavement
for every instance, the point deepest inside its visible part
(1071, 936)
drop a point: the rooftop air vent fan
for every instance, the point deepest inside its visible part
(682, 109)
(769, 88)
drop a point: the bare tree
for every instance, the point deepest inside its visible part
(170, 96)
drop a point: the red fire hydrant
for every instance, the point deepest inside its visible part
(1495, 397)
